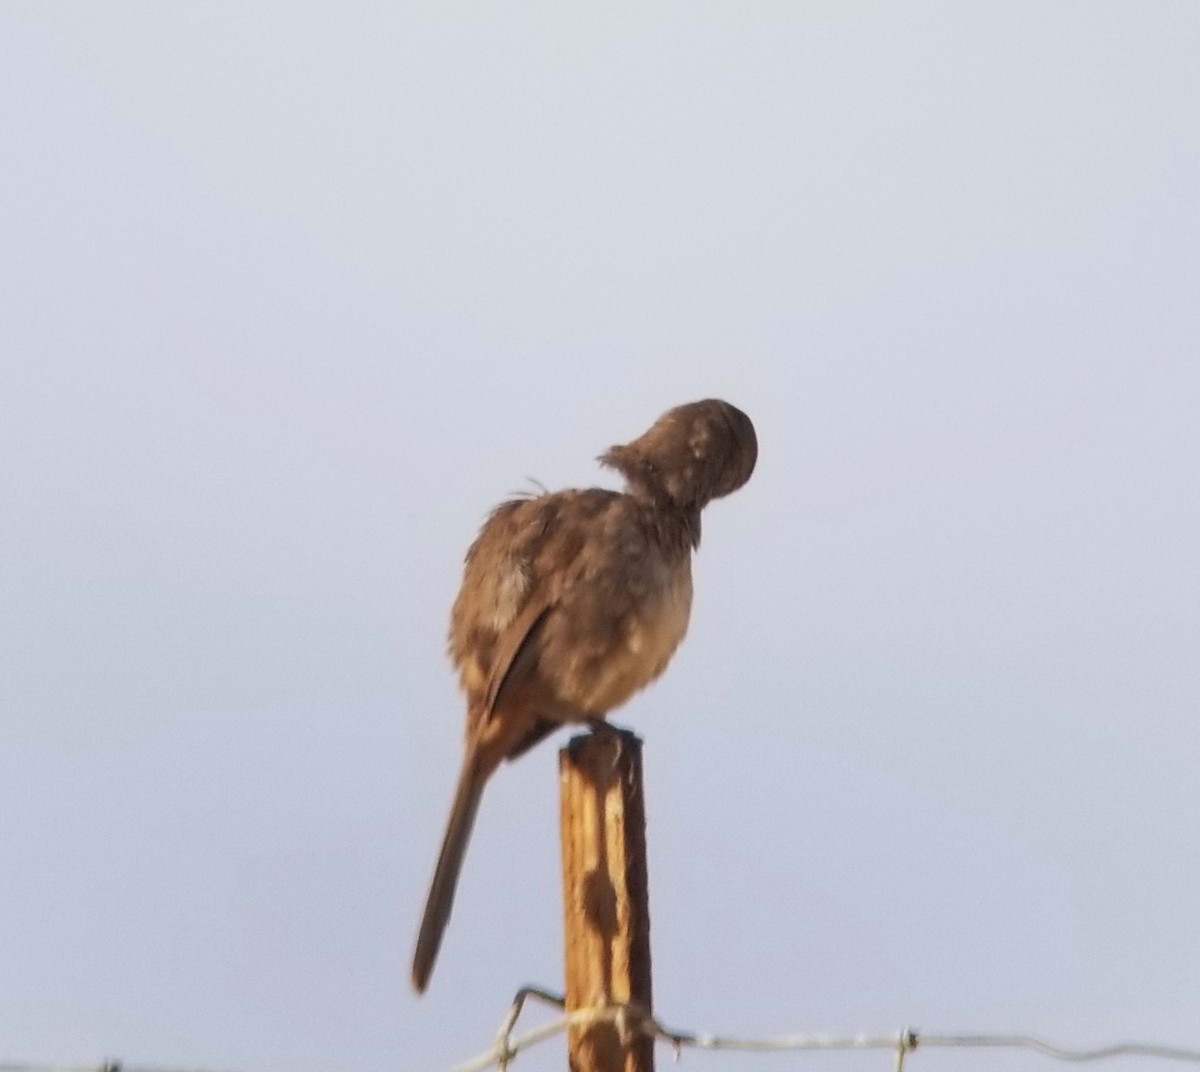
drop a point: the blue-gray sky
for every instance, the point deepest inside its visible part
(294, 293)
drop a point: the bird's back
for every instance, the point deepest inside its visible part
(610, 601)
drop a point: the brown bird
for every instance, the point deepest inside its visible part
(573, 601)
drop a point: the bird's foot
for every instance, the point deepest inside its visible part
(600, 725)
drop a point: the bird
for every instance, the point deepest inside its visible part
(572, 601)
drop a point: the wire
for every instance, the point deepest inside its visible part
(632, 1022)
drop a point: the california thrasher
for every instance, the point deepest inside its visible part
(573, 601)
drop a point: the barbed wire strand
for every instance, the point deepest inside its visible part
(103, 1066)
(631, 1021)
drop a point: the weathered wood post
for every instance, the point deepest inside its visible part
(605, 895)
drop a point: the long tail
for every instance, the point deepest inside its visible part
(471, 781)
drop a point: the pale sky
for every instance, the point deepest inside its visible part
(294, 293)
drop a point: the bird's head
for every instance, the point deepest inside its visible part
(691, 455)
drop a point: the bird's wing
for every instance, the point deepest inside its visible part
(517, 648)
(528, 555)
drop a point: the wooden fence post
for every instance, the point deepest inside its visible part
(605, 895)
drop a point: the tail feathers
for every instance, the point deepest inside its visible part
(445, 876)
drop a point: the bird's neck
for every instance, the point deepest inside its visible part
(676, 528)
